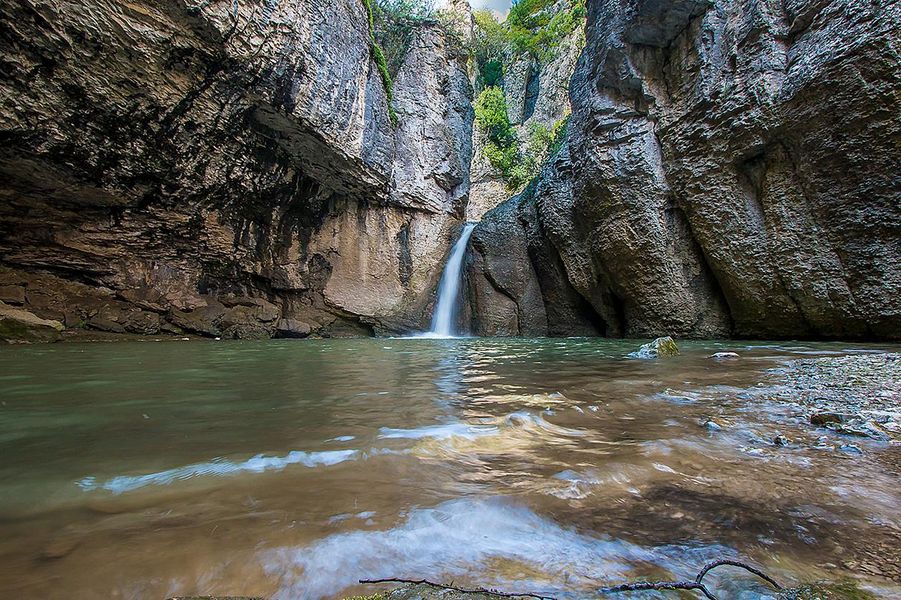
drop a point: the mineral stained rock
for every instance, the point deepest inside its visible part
(662, 347)
(17, 324)
(159, 155)
(730, 170)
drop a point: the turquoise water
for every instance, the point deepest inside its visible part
(291, 469)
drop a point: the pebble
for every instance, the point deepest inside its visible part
(712, 425)
(851, 448)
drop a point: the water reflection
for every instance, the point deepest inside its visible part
(290, 469)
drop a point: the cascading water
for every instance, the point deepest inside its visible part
(449, 289)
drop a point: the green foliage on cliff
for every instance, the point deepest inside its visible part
(503, 150)
(391, 27)
(532, 27)
(547, 140)
(491, 115)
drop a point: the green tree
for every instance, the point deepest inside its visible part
(491, 115)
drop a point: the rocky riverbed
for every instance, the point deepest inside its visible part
(856, 395)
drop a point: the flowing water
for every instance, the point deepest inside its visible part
(291, 469)
(449, 295)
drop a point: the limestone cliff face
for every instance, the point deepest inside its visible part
(731, 169)
(224, 168)
(536, 93)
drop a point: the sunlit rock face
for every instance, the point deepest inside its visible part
(160, 156)
(731, 169)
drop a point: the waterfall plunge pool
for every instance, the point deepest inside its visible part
(291, 469)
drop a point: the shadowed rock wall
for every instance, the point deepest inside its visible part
(731, 169)
(165, 161)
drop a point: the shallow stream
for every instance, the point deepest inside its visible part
(291, 469)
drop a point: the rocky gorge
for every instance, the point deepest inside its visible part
(243, 169)
(730, 170)
(225, 168)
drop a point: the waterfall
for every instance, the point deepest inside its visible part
(449, 289)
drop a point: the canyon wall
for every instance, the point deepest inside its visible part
(731, 169)
(225, 168)
(537, 93)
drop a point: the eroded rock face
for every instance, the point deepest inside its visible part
(158, 156)
(517, 284)
(732, 169)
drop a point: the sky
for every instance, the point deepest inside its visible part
(499, 6)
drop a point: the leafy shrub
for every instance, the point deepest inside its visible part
(491, 115)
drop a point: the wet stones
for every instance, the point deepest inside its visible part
(711, 425)
(857, 395)
(723, 356)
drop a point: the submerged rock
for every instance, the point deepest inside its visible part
(662, 347)
(724, 356)
(826, 418)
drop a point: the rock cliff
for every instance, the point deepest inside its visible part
(731, 168)
(537, 93)
(225, 168)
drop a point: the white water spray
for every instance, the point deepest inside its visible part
(449, 288)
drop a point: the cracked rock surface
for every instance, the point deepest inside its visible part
(730, 170)
(159, 156)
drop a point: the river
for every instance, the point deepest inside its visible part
(291, 469)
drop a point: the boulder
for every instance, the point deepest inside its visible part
(203, 320)
(12, 294)
(103, 324)
(18, 325)
(292, 328)
(247, 331)
(142, 322)
(662, 347)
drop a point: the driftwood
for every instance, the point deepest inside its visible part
(458, 589)
(695, 585)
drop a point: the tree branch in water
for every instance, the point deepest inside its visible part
(457, 589)
(697, 584)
